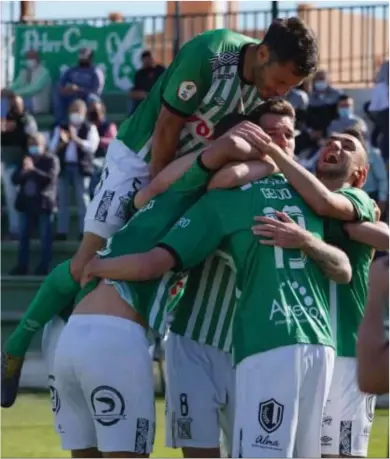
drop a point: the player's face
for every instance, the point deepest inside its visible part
(273, 79)
(341, 158)
(281, 130)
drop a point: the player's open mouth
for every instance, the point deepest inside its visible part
(331, 158)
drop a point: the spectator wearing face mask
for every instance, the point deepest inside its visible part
(82, 81)
(107, 132)
(33, 84)
(15, 128)
(346, 117)
(75, 143)
(145, 78)
(36, 201)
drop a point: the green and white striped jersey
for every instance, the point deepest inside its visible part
(205, 311)
(203, 84)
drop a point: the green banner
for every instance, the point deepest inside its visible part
(117, 49)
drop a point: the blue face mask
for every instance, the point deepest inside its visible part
(344, 112)
(320, 85)
(33, 150)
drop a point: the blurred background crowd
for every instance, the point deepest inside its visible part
(48, 171)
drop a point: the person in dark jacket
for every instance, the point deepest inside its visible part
(107, 132)
(36, 202)
(75, 144)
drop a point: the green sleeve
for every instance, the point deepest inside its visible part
(197, 176)
(189, 78)
(334, 229)
(196, 235)
(362, 203)
(42, 80)
(19, 82)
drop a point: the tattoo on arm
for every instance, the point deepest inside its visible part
(332, 261)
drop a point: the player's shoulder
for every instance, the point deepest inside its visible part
(223, 40)
(351, 191)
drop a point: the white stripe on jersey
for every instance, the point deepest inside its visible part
(229, 292)
(333, 309)
(158, 303)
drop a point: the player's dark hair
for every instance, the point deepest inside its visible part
(344, 97)
(228, 122)
(356, 132)
(290, 40)
(277, 106)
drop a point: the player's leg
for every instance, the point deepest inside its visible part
(226, 417)
(74, 423)
(191, 398)
(348, 414)
(267, 403)
(123, 174)
(56, 293)
(318, 364)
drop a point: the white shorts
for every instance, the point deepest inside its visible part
(199, 394)
(349, 413)
(123, 174)
(104, 379)
(50, 337)
(280, 398)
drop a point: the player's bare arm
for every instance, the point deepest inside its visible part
(376, 235)
(284, 232)
(165, 139)
(372, 348)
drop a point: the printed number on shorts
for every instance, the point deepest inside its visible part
(183, 405)
(201, 127)
(297, 215)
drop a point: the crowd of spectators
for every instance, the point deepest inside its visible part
(39, 170)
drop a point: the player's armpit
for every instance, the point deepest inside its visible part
(375, 235)
(238, 174)
(164, 179)
(135, 267)
(165, 139)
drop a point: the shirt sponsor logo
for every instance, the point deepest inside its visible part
(187, 90)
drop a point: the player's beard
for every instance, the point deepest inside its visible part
(337, 174)
(259, 79)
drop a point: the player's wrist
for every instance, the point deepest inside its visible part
(306, 241)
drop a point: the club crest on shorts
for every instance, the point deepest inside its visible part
(55, 398)
(370, 407)
(270, 415)
(108, 405)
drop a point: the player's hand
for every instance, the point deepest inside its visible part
(281, 232)
(244, 141)
(377, 210)
(72, 132)
(28, 163)
(88, 273)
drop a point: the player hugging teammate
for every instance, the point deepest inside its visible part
(262, 340)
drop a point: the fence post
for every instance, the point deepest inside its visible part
(176, 29)
(275, 10)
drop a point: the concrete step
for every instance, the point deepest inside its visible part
(62, 250)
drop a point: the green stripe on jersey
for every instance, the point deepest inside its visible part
(204, 313)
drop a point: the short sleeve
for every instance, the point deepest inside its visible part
(195, 236)
(188, 78)
(362, 203)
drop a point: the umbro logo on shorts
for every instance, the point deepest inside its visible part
(270, 415)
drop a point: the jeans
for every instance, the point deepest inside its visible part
(27, 223)
(10, 193)
(71, 177)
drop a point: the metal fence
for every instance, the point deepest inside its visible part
(353, 40)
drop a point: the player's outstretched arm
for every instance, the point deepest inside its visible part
(323, 201)
(238, 174)
(136, 267)
(372, 348)
(284, 232)
(376, 235)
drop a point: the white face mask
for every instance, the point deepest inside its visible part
(76, 119)
(31, 63)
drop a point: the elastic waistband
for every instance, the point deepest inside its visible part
(106, 320)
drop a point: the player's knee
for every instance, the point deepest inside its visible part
(201, 452)
(87, 452)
